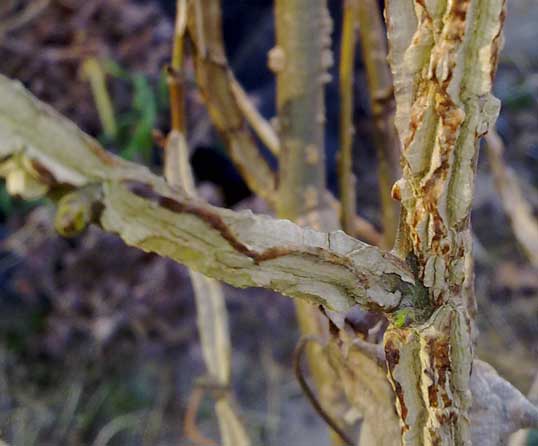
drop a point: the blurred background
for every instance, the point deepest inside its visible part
(98, 341)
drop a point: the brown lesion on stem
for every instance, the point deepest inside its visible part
(217, 223)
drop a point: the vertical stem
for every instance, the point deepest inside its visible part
(379, 78)
(216, 82)
(345, 167)
(175, 73)
(300, 60)
(212, 316)
(93, 72)
(443, 56)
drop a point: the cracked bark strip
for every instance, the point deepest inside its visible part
(239, 248)
(443, 55)
(444, 106)
(429, 367)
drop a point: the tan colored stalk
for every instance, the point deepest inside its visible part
(259, 124)
(211, 311)
(516, 207)
(175, 72)
(364, 381)
(215, 80)
(381, 91)
(443, 57)
(348, 196)
(95, 75)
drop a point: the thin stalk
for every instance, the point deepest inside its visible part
(259, 124)
(347, 179)
(212, 316)
(516, 207)
(94, 73)
(215, 81)
(175, 73)
(381, 92)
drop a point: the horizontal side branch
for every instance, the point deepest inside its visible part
(43, 151)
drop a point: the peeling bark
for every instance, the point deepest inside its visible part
(443, 57)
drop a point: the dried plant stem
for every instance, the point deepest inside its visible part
(426, 349)
(94, 73)
(259, 124)
(300, 60)
(516, 207)
(345, 162)
(297, 357)
(380, 87)
(175, 71)
(189, 422)
(212, 316)
(215, 80)
(443, 57)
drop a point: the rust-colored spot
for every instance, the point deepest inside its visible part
(396, 192)
(496, 44)
(403, 408)
(392, 355)
(439, 353)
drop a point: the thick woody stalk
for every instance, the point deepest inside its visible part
(426, 349)
(443, 57)
(300, 60)
(381, 91)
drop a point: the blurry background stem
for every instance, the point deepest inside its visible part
(212, 317)
(381, 91)
(516, 207)
(300, 61)
(93, 72)
(346, 177)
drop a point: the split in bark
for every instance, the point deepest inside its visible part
(443, 57)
